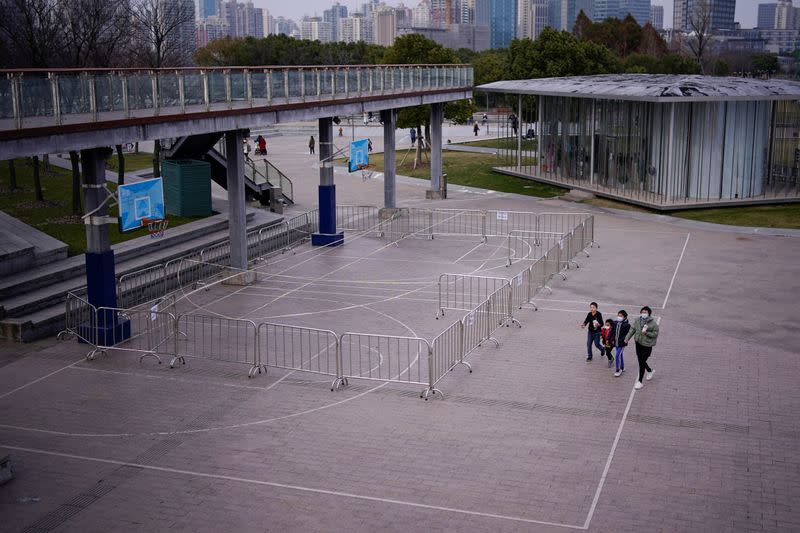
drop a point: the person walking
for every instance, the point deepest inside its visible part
(607, 334)
(246, 149)
(311, 144)
(476, 129)
(594, 320)
(621, 329)
(644, 331)
(369, 145)
(413, 133)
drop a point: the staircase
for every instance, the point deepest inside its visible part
(267, 186)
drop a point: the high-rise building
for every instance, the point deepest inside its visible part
(333, 16)
(284, 26)
(355, 28)
(554, 14)
(657, 17)
(316, 29)
(785, 16)
(209, 8)
(243, 20)
(722, 13)
(465, 11)
(404, 15)
(532, 18)
(182, 42)
(638, 9)
(210, 29)
(483, 12)
(384, 25)
(766, 16)
(604, 9)
(421, 15)
(269, 23)
(502, 23)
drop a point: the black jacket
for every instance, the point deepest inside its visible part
(590, 319)
(622, 329)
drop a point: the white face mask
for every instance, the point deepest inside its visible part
(620, 318)
(645, 316)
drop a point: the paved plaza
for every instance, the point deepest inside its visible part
(535, 439)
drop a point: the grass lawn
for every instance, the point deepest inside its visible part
(762, 216)
(133, 162)
(473, 170)
(506, 143)
(54, 215)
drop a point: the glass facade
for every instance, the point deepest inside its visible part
(663, 155)
(503, 23)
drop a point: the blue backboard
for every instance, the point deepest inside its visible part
(359, 154)
(139, 201)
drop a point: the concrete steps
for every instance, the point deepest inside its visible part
(23, 247)
(34, 308)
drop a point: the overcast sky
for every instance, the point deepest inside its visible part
(746, 10)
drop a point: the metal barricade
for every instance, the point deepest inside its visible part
(477, 328)
(218, 339)
(447, 351)
(193, 273)
(145, 332)
(385, 358)
(528, 245)
(467, 222)
(80, 319)
(501, 223)
(559, 222)
(464, 292)
(300, 348)
(136, 288)
(273, 240)
(357, 218)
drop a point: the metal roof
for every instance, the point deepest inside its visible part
(652, 88)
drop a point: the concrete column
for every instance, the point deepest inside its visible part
(388, 117)
(237, 221)
(591, 153)
(437, 116)
(100, 273)
(326, 236)
(519, 133)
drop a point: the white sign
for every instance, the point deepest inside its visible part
(153, 313)
(471, 318)
(502, 215)
(561, 244)
(518, 279)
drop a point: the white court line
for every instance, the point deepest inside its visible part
(299, 488)
(469, 252)
(674, 274)
(608, 462)
(9, 393)
(612, 304)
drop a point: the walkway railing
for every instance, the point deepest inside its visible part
(160, 330)
(38, 97)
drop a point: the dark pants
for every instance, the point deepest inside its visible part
(592, 337)
(310, 149)
(608, 352)
(642, 354)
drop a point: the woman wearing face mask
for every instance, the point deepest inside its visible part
(644, 331)
(621, 329)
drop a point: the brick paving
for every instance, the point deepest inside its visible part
(521, 444)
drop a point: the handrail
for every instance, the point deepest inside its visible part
(63, 70)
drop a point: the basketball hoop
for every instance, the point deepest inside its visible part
(155, 227)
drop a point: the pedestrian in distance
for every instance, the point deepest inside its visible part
(341, 132)
(621, 329)
(311, 144)
(644, 332)
(413, 133)
(369, 145)
(594, 321)
(261, 145)
(246, 149)
(607, 336)
(476, 129)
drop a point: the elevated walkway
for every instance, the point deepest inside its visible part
(32, 302)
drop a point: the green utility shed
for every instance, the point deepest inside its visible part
(187, 187)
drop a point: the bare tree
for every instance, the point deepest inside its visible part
(37, 182)
(163, 32)
(12, 176)
(74, 159)
(700, 26)
(31, 31)
(95, 32)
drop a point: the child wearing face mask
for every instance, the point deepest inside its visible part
(607, 335)
(621, 329)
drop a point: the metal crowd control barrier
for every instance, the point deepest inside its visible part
(385, 358)
(478, 328)
(357, 218)
(526, 245)
(559, 222)
(142, 331)
(300, 348)
(80, 319)
(136, 288)
(447, 351)
(216, 338)
(465, 292)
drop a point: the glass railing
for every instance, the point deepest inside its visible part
(32, 98)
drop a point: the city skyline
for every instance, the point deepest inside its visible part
(746, 10)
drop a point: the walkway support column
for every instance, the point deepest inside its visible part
(327, 235)
(101, 285)
(237, 221)
(388, 117)
(438, 188)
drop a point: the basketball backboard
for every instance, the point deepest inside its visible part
(359, 155)
(139, 201)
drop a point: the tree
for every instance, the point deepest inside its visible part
(32, 32)
(652, 43)
(12, 176)
(37, 182)
(556, 54)
(765, 63)
(95, 32)
(163, 32)
(75, 160)
(700, 26)
(582, 25)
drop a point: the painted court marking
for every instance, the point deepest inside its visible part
(674, 274)
(9, 393)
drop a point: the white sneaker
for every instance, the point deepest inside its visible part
(638, 385)
(649, 375)
(617, 374)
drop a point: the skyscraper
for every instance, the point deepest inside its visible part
(657, 17)
(722, 13)
(766, 16)
(604, 9)
(483, 12)
(502, 23)
(638, 9)
(384, 26)
(333, 16)
(532, 18)
(208, 8)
